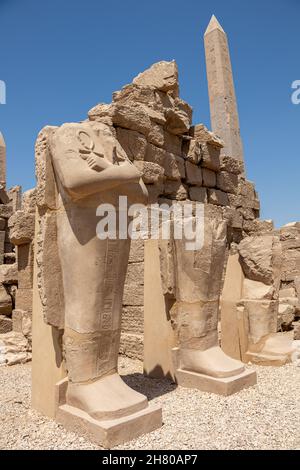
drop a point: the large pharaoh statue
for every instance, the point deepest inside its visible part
(81, 277)
(192, 280)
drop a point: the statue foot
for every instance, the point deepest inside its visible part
(107, 398)
(213, 362)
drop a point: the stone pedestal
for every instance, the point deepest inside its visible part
(220, 386)
(106, 433)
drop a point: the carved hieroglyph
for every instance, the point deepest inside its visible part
(80, 277)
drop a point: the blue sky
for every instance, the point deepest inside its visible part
(59, 58)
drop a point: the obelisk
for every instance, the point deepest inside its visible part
(2, 161)
(223, 106)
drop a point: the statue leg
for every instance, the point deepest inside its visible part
(195, 313)
(93, 275)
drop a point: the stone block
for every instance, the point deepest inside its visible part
(133, 142)
(6, 211)
(24, 300)
(6, 324)
(203, 135)
(25, 266)
(227, 182)
(192, 151)
(132, 345)
(193, 174)
(106, 433)
(5, 302)
(133, 294)
(198, 194)
(135, 274)
(220, 386)
(133, 320)
(174, 167)
(22, 322)
(231, 165)
(175, 190)
(21, 227)
(210, 157)
(152, 173)
(209, 178)
(217, 197)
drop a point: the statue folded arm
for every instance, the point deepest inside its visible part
(80, 178)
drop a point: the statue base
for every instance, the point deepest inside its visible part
(106, 433)
(220, 386)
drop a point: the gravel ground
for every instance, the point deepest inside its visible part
(266, 416)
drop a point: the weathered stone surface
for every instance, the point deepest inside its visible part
(174, 167)
(136, 251)
(255, 290)
(262, 317)
(161, 76)
(217, 197)
(6, 211)
(3, 224)
(8, 274)
(198, 194)
(247, 213)
(25, 266)
(246, 189)
(173, 143)
(209, 178)
(258, 227)
(179, 118)
(24, 300)
(6, 325)
(210, 157)
(14, 349)
(29, 201)
(231, 165)
(133, 320)
(256, 258)
(193, 174)
(288, 292)
(133, 295)
(22, 322)
(135, 274)
(286, 316)
(132, 345)
(15, 198)
(175, 190)
(227, 182)
(21, 227)
(151, 172)
(192, 151)
(134, 143)
(203, 135)
(5, 302)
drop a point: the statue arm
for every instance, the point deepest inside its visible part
(80, 181)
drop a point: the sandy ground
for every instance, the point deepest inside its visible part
(266, 416)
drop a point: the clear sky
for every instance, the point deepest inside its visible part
(61, 57)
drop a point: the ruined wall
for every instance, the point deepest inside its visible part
(178, 162)
(17, 278)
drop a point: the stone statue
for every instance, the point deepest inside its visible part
(195, 285)
(81, 277)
